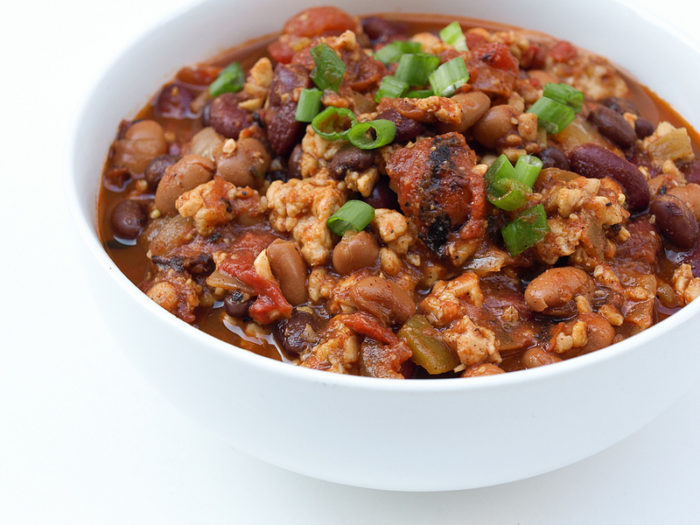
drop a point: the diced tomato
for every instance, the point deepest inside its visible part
(281, 51)
(563, 51)
(320, 21)
(200, 75)
(498, 56)
(474, 40)
(369, 326)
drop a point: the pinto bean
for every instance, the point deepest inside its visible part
(553, 292)
(495, 125)
(643, 128)
(143, 141)
(675, 220)
(613, 126)
(620, 105)
(599, 331)
(206, 143)
(350, 159)
(247, 165)
(128, 219)
(553, 157)
(690, 195)
(354, 252)
(484, 369)
(186, 174)
(156, 169)
(406, 128)
(227, 117)
(384, 299)
(289, 268)
(474, 104)
(237, 303)
(298, 333)
(537, 356)
(592, 160)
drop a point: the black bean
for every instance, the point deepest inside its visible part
(294, 166)
(613, 126)
(380, 30)
(620, 105)
(553, 157)
(406, 128)
(643, 128)
(298, 333)
(128, 219)
(156, 168)
(227, 117)
(174, 101)
(675, 220)
(382, 196)
(236, 304)
(351, 159)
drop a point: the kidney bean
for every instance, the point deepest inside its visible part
(690, 195)
(537, 356)
(495, 125)
(592, 160)
(247, 165)
(294, 166)
(350, 159)
(298, 333)
(227, 117)
(676, 222)
(128, 219)
(289, 268)
(186, 174)
(474, 104)
(283, 130)
(384, 299)
(174, 101)
(406, 128)
(237, 303)
(620, 105)
(354, 252)
(553, 157)
(691, 170)
(382, 196)
(380, 30)
(156, 169)
(643, 128)
(553, 292)
(613, 126)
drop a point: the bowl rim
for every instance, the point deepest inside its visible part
(88, 233)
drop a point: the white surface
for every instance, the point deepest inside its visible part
(84, 439)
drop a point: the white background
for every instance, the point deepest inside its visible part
(85, 439)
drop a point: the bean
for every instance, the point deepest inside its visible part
(289, 269)
(283, 130)
(247, 165)
(592, 160)
(537, 356)
(599, 331)
(227, 117)
(643, 128)
(691, 170)
(354, 252)
(406, 129)
(298, 333)
(294, 167)
(380, 30)
(620, 105)
(676, 222)
(613, 126)
(237, 303)
(474, 104)
(143, 141)
(206, 143)
(496, 124)
(128, 219)
(484, 369)
(285, 80)
(350, 159)
(186, 174)
(156, 169)
(553, 157)
(201, 264)
(174, 101)
(553, 291)
(690, 195)
(382, 196)
(384, 299)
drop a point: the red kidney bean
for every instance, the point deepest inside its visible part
(350, 159)
(298, 333)
(620, 105)
(380, 30)
(156, 168)
(174, 101)
(128, 219)
(382, 196)
(283, 130)
(285, 80)
(643, 128)
(237, 303)
(553, 157)
(406, 128)
(592, 160)
(675, 220)
(227, 117)
(613, 126)
(294, 166)
(691, 170)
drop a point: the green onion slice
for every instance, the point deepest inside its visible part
(392, 52)
(309, 104)
(508, 194)
(449, 77)
(373, 134)
(415, 68)
(452, 34)
(333, 123)
(527, 169)
(230, 80)
(329, 70)
(353, 215)
(528, 228)
(553, 116)
(419, 93)
(500, 169)
(390, 87)
(564, 94)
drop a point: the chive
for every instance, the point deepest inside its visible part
(528, 228)
(452, 35)
(508, 194)
(527, 169)
(353, 215)
(309, 105)
(415, 68)
(419, 93)
(553, 116)
(500, 169)
(449, 77)
(564, 94)
(392, 52)
(390, 87)
(333, 123)
(230, 80)
(373, 134)
(329, 70)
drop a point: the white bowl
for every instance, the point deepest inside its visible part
(401, 435)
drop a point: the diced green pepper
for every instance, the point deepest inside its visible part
(429, 351)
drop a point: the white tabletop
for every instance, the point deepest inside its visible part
(85, 439)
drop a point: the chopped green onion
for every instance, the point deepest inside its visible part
(452, 35)
(230, 80)
(309, 104)
(553, 116)
(527, 169)
(392, 52)
(353, 215)
(333, 123)
(449, 77)
(419, 93)
(564, 94)
(508, 194)
(329, 70)
(528, 228)
(500, 169)
(373, 134)
(390, 87)
(415, 68)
